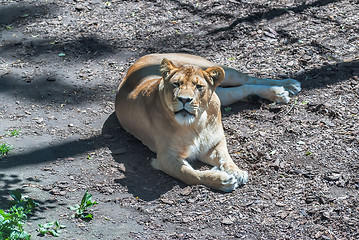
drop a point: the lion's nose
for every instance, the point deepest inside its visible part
(184, 100)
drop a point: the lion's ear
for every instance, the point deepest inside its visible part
(167, 67)
(215, 75)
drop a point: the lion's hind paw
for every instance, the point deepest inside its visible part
(278, 94)
(292, 86)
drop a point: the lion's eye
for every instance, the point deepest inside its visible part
(175, 84)
(199, 87)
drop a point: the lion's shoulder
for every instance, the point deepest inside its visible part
(146, 87)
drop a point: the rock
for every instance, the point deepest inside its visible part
(79, 7)
(328, 123)
(332, 176)
(62, 193)
(326, 215)
(186, 191)
(283, 215)
(227, 221)
(39, 120)
(290, 64)
(280, 204)
(47, 188)
(318, 234)
(167, 201)
(324, 237)
(51, 78)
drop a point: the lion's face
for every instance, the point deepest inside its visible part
(188, 89)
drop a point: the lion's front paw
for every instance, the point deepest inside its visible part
(292, 86)
(220, 180)
(228, 182)
(233, 176)
(242, 177)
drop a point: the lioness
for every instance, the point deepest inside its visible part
(168, 101)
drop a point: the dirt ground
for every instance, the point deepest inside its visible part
(62, 60)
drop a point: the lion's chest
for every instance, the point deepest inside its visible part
(203, 143)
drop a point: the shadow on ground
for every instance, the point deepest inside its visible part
(11, 182)
(43, 90)
(271, 14)
(141, 179)
(52, 153)
(15, 13)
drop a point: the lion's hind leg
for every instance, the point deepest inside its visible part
(234, 78)
(238, 86)
(231, 95)
(183, 171)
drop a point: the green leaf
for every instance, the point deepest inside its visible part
(86, 202)
(50, 228)
(74, 207)
(16, 195)
(227, 109)
(88, 216)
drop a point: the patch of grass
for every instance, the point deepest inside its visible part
(5, 149)
(81, 210)
(12, 220)
(52, 228)
(14, 133)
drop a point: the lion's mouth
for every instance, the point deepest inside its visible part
(183, 112)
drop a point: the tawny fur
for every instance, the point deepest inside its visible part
(168, 101)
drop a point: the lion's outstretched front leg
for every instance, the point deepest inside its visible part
(182, 170)
(221, 160)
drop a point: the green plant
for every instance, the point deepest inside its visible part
(81, 210)
(27, 204)
(52, 228)
(5, 149)
(12, 221)
(14, 133)
(228, 109)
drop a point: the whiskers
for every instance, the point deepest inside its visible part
(191, 108)
(185, 114)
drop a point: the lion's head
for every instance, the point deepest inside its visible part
(188, 89)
